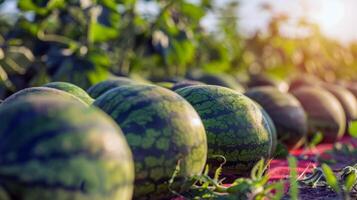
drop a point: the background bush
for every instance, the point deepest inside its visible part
(86, 41)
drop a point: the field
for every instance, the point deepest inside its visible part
(173, 100)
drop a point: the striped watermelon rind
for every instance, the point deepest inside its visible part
(346, 98)
(272, 130)
(185, 83)
(324, 112)
(100, 88)
(286, 112)
(72, 89)
(235, 126)
(223, 80)
(162, 130)
(57, 149)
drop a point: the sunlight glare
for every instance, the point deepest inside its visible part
(330, 14)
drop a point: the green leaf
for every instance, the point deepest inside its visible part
(352, 129)
(258, 170)
(37, 7)
(330, 178)
(293, 191)
(278, 188)
(103, 24)
(243, 186)
(193, 11)
(53, 4)
(351, 181)
(316, 139)
(32, 28)
(175, 173)
(101, 33)
(217, 173)
(281, 151)
(28, 5)
(109, 4)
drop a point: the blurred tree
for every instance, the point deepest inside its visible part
(86, 41)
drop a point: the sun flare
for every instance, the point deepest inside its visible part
(330, 14)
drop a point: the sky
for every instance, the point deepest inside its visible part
(336, 18)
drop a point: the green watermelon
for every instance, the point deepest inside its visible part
(259, 80)
(324, 112)
(55, 149)
(235, 125)
(72, 89)
(100, 88)
(272, 130)
(162, 130)
(185, 83)
(346, 98)
(221, 80)
(303, 80)
(286, 112)
(352, 87)
(43, 92)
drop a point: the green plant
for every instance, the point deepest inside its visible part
(293, 190)
(342, 181)
(254, 187)
(352, 129)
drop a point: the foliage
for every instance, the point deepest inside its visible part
(344, 183)
(85, 41)
(254, 187)
(352, 129)
(293, 191)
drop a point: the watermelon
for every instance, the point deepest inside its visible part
(72, 89)
(41, 91)
(352, 87)
(100, 88)
(346, 98)
(272, 130)
(186, 83)
(235, 125)
(286, 112)
(302, 81)
(59, 149)
(324, 112)
(221, 80)
(163, 130)
(259, 80)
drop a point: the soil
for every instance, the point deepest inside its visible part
(319, 193)
(345, 156)
(337, 160)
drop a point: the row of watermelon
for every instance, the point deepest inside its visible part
(55, 145)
